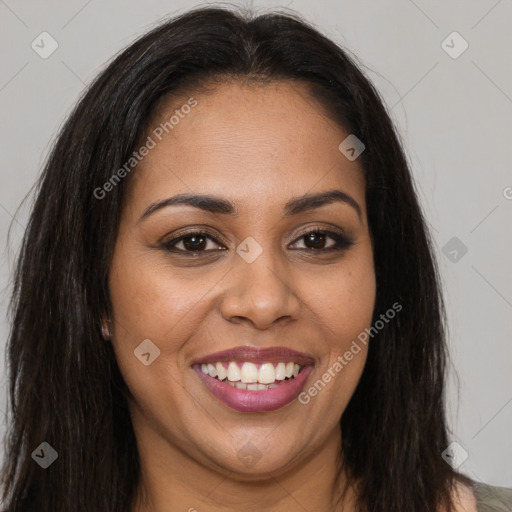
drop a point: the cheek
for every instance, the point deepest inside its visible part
(154, 300)
(345, 311)
(343, 302)
(344, 299)
(151, 302)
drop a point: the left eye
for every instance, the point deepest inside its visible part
(314, 241)
(317, 240)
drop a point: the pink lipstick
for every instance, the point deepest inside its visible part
(250, 379)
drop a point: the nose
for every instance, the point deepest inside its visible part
(260, 293)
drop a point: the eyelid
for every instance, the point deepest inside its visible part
(331, 229)
(199, 230)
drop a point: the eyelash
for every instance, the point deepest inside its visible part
(342, 242)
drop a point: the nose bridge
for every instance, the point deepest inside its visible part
(259, 290)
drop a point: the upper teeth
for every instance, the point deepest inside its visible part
(265, 373)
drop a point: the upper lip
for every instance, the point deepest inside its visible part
(257, 355)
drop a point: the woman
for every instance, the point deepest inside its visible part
(226, 297)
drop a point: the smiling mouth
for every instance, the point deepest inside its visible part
(252, 376)
(269, 386)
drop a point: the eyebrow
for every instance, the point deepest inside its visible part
(218, 205)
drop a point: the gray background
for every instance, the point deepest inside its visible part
(454, 115)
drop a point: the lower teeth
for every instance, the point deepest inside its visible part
(254, 386)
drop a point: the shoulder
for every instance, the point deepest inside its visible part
(480, 497)
(490, 498)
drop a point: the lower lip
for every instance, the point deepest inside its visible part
(256, 401)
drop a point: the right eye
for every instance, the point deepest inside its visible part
(192, 243)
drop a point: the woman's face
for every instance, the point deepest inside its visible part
(254, 282)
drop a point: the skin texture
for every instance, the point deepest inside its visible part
(465, 500)
(258, 146)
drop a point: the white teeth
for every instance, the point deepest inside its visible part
(280, 371)
(221, 371)
(252, 387)
(266, 373)
(249, 372)
(233, 372)
(212, 370)
(247, 375)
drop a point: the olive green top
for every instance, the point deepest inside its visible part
(492, 499)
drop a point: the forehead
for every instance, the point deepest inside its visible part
(251, 143)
